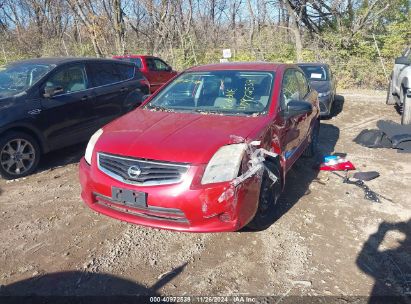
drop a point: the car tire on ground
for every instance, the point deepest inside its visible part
(19, 155)
(268, 201)
(406, 108)
(390, 99)
(312, 148)
(332, 109)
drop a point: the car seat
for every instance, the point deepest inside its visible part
(209, 93)
(76, 81)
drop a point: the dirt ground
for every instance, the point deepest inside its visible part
(329, 240)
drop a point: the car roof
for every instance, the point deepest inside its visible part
(134, 56)
(251, 66)
(312, 64)
(62, 60)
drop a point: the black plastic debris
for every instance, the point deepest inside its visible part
(390, 135)
(358, 180)
(373, 139)
(368, 193)
(366, 176)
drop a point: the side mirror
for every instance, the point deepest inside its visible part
(297, 107)
(169, 69)
(402, 60)
(51, 91)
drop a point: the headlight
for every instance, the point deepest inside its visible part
(324, 94)
(91, 144)
(224, 164)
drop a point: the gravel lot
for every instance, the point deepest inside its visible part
(329, 239)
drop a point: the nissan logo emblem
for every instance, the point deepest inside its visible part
(134, 171)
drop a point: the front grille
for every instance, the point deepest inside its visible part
(139, 171)
(150, 212)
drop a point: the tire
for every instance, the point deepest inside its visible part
(390, 99)
(406, 108)
(331, 111)
(312, 148)
(267, 210)
(14, 163)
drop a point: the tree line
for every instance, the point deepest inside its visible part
(356, 37)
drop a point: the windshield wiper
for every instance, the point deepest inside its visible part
(206, 111)
(159, 108)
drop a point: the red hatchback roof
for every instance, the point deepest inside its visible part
(261, 66)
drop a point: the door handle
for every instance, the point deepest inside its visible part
(84, 98)
(122, 90)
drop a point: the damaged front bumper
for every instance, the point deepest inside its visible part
(186, 206)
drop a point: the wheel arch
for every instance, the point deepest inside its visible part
(30, 131)
(405, 83)
(275, 161)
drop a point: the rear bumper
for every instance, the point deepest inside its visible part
(178, 207)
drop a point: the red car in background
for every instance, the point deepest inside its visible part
(207, 152)
(156, 70)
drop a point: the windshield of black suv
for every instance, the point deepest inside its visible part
(316, 73)
(18, 77)
(220, 92)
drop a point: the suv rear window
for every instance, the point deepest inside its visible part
(318, 73)
(136, 61)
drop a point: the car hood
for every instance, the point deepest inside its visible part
(174, 137)
(321, 86)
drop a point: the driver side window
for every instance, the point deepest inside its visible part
(290, 88)
(160, 65)
(69, 79)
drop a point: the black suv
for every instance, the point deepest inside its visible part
(50, 103)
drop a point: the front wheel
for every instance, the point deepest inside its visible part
(267, 204)
(406, 109)
(19, 155)
(311, 150)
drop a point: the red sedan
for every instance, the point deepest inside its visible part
(207, 152)
(156, 70)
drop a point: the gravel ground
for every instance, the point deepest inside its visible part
(328, 239)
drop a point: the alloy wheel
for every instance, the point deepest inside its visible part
(17, 156)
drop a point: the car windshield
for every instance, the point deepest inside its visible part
(18, 77)
(316, 73)
(219, 92)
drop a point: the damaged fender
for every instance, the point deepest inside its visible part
(255, 166)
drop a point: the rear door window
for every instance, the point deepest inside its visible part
(105, 73)
(126, 71)
(151, 64)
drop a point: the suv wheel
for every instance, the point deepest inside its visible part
(19, 155)
(406, 108)
(390, 99)
(268, 201)
(312, 149)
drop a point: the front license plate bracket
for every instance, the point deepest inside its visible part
(129, 197)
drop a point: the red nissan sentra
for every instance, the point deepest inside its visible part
(208, 152)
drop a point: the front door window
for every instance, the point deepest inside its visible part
(69, 80)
